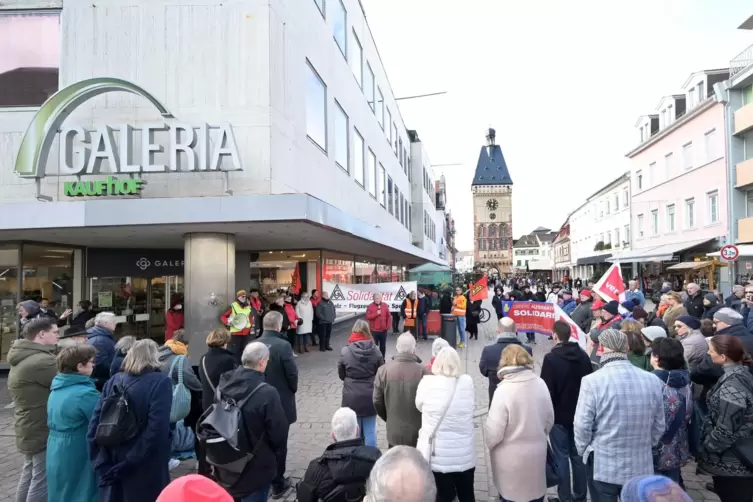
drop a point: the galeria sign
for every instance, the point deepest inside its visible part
(354, 298)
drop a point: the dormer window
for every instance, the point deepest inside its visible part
(699, 87)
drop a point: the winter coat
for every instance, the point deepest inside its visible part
(653, 320)
(641, 361)
(285, 319)
(217, 362)
(671, 315)
(282, 372)
(136, 471)
(103, 341)
(455, 441)
(395, 398)
(568, 306)
(445, 304)
(117, 362)
(562, 370)
(636, 294)
(264, 419)
(325, 311)
(305, 312)
(674, 451)
(32, 368)
(344, 465)
(174, 320)
(729, 419)
(379, 317)
(70, 474)
(166, 358)
(472, 314)
(741, 332)
(357, 368)
(488, 363)
(423, 305)
(519, 420)
(695, 346)
(583, 316)
(694, 306)
(499, 306)
(78, 320)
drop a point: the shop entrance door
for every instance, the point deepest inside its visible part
(162, 291)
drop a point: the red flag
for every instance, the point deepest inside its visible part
(610, 286)
(480, 290)
(295, 281)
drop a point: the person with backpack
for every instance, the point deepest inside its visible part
(244, 430)
(340, 474)
(129, 434)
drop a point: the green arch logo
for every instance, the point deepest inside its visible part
(35, 146)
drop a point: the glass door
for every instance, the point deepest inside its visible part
(127, 298)
(163, 290)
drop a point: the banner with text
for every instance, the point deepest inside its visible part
(611, 286)
(540, 317)
(356, 297)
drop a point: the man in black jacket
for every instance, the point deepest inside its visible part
(562, 370)
(282, 374)
(491, 354)
(340, 474)
(694, 303)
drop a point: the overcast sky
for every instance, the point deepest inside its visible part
(562, 82)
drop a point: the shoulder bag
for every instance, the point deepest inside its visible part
(428, 451)
(181, 404)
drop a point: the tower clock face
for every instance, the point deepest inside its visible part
(492, 204)
(492, 216)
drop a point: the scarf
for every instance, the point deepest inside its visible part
(359, 337)
(608, 357)
(256, 303)
(177, 348)
(503, 373)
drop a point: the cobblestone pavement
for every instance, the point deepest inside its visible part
(319, 394)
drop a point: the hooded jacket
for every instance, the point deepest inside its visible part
(102, 340)
(488, 363)
(562, 370)
(32, 368)
(340, 474)
(673, 451)
(713, 308)
(357, 368)
(583, 316)
(694, 305)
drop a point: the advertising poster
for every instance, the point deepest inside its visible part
(105, 299)
(356, 297)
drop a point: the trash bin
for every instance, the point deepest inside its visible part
(449, 329)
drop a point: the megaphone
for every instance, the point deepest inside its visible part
(238, 321)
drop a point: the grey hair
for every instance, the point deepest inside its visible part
(273, 321)
(401, 474)
(103, 317)
(344, 424)
(125, 344)
(141, 357)
(253, 354)
(738, 287)
(447, 363)
(507, 325)
(406, 344)
(692, 284)
(438, 345)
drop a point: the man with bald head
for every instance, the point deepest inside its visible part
(401, 474)
(492, 353)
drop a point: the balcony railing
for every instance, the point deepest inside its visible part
(741, 61)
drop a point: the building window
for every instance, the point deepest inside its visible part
(358, 154)
(639, 180)
(316, 108)
(356, 59)
(690, 213)
(687, 156)
(390, 197)
(608, 206)
(368, 87)
(640, 225)
(617, 237)
(712, 199)
(394, 138)
(371, 176)
(627, 234)
(381, 183)
(710, 143)
(380, 108)
(387, 128)
(616, 202)
(625, 197)
(671, 218)
(341, 137)
(701, 97)
(653, 178)
(397, 202)
(669, 168)
(609, 238)
(402, 209)
(339, 25)
(655, 222)
(29, 57)
(321, 5)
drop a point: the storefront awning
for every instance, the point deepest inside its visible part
(746, 250)
(658, 253)
(593, 260)
(690, 265)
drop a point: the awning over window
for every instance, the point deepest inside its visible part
(690, 265)
(658, 253)
(593, 260)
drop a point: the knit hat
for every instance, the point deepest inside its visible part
(597, 304)
(31, 307)
(241, 292)
(586, 293)
(728, 316)
(654, 332)
(194, 488)
(651, 489)
(628, 305)
(614, 340)
(612, 307)
(639, 312)
(689, 321)
(712, 298)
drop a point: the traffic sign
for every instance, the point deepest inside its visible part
(729, 252)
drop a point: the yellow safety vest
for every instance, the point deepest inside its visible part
(237, 309)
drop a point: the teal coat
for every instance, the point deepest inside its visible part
(70, 475)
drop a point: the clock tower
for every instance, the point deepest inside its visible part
(492, 209)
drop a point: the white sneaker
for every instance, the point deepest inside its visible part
(295, 355)
(173, 463)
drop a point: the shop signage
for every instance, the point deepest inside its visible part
(110, 186)
(165, 146)
(729, 252)
(356, 297)
(133, 262)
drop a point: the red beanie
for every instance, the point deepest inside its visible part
(194, 488)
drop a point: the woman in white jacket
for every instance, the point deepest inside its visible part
(453, 460)
(519, 421)
(305, 311)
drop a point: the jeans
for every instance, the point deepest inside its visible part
(32, 485)
(461, 327)
(367, 426)
(563, 447)
(380, 338)
(422, 328)
(450, 484)
(325, 330)
(600, 490)
(258, 496)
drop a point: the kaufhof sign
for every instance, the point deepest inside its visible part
(120, 149)
(356, 297)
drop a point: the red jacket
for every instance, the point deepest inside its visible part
(173, 322)
(292, 316)
(379, 317)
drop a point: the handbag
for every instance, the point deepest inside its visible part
(552, 469)
(428, 451)
(181, 405)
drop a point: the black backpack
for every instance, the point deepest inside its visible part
(223, 432)
(118, 422)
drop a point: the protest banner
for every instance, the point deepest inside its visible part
(539, 317)
(479, 290)
(611, 286)
(355, 298)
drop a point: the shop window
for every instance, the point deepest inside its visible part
(8, 296)
(48, 275)
(29, 57)
(384, 272)
(365, 272)
(337, 268)
(273, 272)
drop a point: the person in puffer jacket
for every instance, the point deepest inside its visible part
(453, 459)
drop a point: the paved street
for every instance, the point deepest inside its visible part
(318, 397)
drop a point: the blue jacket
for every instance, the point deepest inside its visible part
(70, 475)
(569, 306)
(136, 471)
(103, 341)
(423, 306)
(638, 295)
